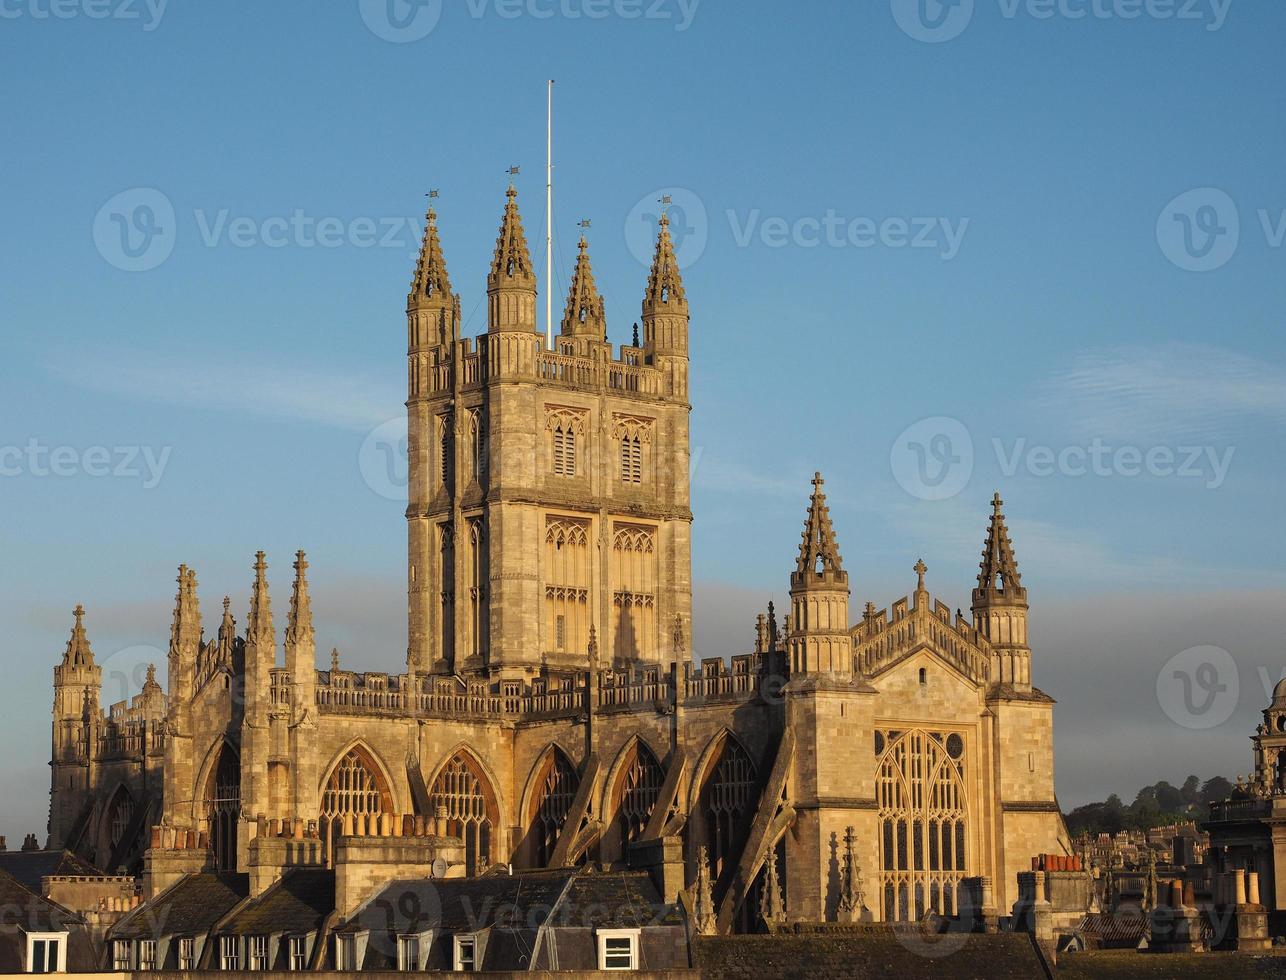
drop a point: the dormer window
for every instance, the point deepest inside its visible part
(47, 952)
(618, 949)
(465, 954)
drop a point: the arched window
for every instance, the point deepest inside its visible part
(446, 578)
(923, 815)
(557, 782)
(639, 788)
(478, 613)
(725, 801)
(355, 788)
(564, 425)
(223, 808)
(122, 812)
(471, 811)
(567, 585)
(634, 590)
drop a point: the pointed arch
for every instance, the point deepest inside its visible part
(220, 802)
(721, 801)
(923, 806)
(632, 790)
(547, 799)
(465, 787)
(357, 786)
(116, 816)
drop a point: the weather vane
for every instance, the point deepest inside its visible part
(433, 194)
(584, 224)
(665, 202)
(514, 171)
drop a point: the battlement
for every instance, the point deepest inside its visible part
(880, 639)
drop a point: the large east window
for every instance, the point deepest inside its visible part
(923, 819)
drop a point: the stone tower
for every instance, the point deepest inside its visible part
(78, 684)
(185, 647)
(1000, 605)
(549, 490)
(819, 639)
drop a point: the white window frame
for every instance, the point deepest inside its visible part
(146, 954)
(55, 942)
(229, 953)
(296, 953)
(122, 955)
(408, 953)
(633, 937)
(471, 940)
(256, 954)
(346, 953)
(187, 953)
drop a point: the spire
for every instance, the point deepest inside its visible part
(703, 902)
(430, 288)
(300, 627)
(665, 283)
(260, 620)
(228, 626)
(818, 550)
(511, 285)
(852, 902)
(78, 653)
(585, 315)
(998, 577)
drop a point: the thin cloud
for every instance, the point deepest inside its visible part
(215, 382)
(1165, 392)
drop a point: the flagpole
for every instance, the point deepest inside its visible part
(549, 221)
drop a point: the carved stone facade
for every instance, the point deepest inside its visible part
(549, 713)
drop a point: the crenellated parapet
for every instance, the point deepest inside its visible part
(884, 637)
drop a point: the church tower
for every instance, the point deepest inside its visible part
(819, 638)
(1000, 605)
(549, 489)
(78, 683)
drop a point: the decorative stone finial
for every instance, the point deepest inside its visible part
(920, 570)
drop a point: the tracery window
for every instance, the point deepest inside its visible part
(478, 613)
(640, 789)
(122, 813)
(567, 580)
(633, 435)
(446, 578)
(558, 785)
(725, 799)
(564, 426)
(223, 808)
(470, 814)
(923, 818)
(634, 590)
(354, 788)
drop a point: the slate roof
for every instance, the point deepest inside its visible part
(460, 904)
(1114, 929)
(1129, 964)
(878, 952)
(298, 903)
(23, 911)
(189, 907)
(615, 900)
(29, 867)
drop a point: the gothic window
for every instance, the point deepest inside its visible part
(640, 786)
(223, 808)
(478, 447)
(446, 579)
(565, 426)
(445, 445)
(567, 580)
(634, 591)
(634, 436)
(478, 615)
(923, 817)
(355, 789)
(121, 814)
(471, 812)
(725, 800)
(558, 784)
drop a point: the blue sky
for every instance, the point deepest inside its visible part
(986, 233)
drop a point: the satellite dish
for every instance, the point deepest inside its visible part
(439, 868)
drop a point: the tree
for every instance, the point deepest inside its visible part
(1191, 790)
(1216, 789)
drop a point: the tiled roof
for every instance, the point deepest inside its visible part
(190, 907)
(615, 900)
(31, 866)
(878, 952)
(298, 903)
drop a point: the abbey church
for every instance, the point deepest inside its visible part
(551, 714)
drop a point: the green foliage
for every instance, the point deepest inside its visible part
(1154, 806)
